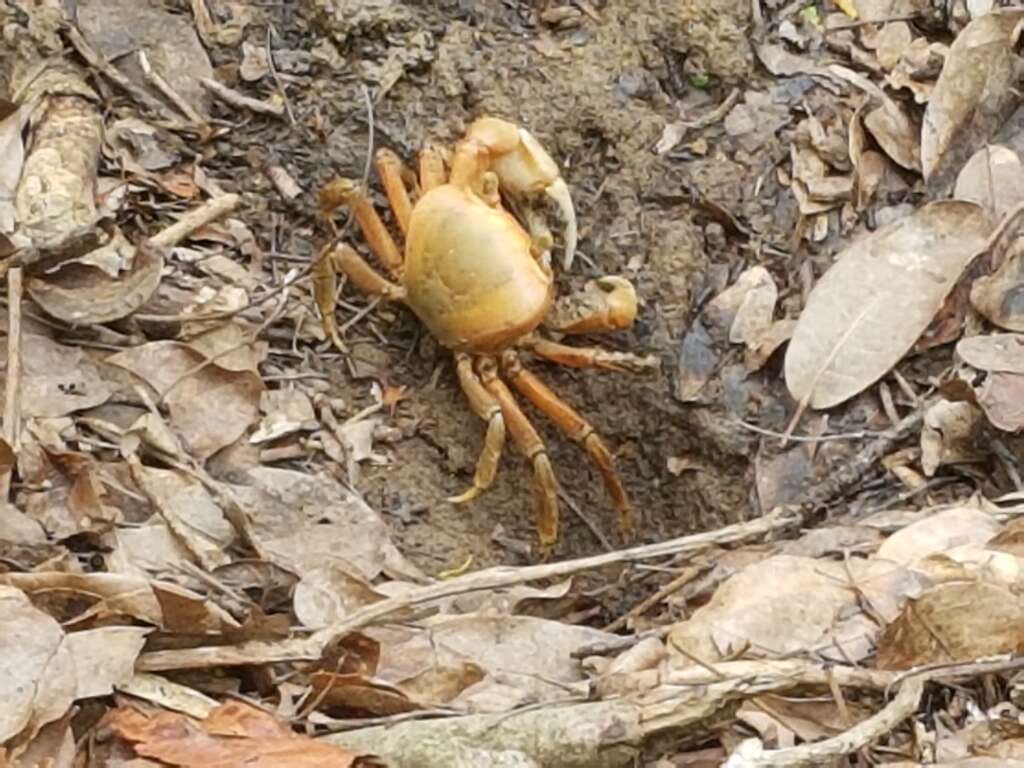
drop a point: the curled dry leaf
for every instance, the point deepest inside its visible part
(960, 621)
(995, 295)
(867, 311)
(949, 435)
(938, 533)
(210, 407)
(56, 379)
(763, 612)
(896, 133)
(992, 178)
(975, 94)
(37, 676)
(77, 597)
(995, 352)
(82, 294)
(233, 734)
(1002, 399)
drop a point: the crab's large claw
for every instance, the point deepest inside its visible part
(524, 167)
(608, 303)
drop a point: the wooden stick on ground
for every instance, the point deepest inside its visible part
(209, 211)
(12, 387)
(312, 647)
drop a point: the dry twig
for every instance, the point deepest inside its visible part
(239, 100)
(12, 386)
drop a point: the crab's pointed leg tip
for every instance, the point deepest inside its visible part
(468, 495)
(558, 191)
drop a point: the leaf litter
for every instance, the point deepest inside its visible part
(215, 547)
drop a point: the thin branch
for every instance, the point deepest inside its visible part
(12, 386)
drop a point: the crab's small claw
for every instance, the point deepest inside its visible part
(608, 303)
(524, 168)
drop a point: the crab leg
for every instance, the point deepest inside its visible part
(486, 407)
(529, 444)
(589, 357)
(576, 427)
(389, 168)
(368, 280)
(345, 192)
(431, 169)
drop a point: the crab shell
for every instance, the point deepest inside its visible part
(470, 273)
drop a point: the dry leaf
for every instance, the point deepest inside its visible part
(56, 380)
(995, 352)
(995, 295)
(104, 658)
(168, 694)
(961, 621)
(37, 676)
(991, 178)
(697, 363)
(326, 595)
(189, 511)
(896, 133)
(210, 407)
(1002, 399)
(938, 533)
(949, 435)
(231, 736)
(12, 157)
(81, 293)
(287, 411)
(974, 95)
(874, 303)
(307, 521)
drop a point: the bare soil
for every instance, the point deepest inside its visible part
(597, 94)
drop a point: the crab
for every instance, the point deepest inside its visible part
(481, 282)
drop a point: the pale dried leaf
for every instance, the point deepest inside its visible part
(287, 411)
(308, 521)
(1002, 399)
(938, 533)
(12, 157)
(995, 295)
(210, 408)
(328, 594)
(995, 352)
(896, 133)
(189, 511)
(949, 435)
(104, 658)
(37, 676)
(870, 308)
(973, 97)
(146, 550)
(992, 178)
(168, 694)
(56, 380)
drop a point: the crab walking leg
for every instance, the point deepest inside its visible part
(368, 280)
(486, 407)
(431, 169)
(346, 192)
(575, 426)
(389, 168)
(529, 444)
(589, 357)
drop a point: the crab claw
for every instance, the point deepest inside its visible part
(605, 304)
(525, 168)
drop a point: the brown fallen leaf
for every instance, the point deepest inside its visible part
(995, 295)
(1002, 399)
(937, 533)
(990, 178)
(896, 133)
(994, 352)
(949, 435)
(210, 407)
(56, 379)
(232, 736)
(82, 293)
(973, 96)
(867, 311)
(37, 674)
(960, 621)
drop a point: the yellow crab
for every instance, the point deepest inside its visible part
(483, 285)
